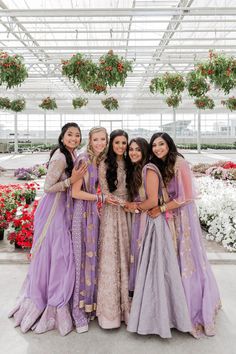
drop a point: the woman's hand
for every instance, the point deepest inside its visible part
(78, 172)
(131, 207)
(110, 200)
(154, 212)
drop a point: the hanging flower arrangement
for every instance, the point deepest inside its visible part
(230, 103)
(204, 102)
(18, 105)
(168, 82)
(197, 85)
(79, 102)
(12, 70)
(82, 71)
(5, 103)
(114, 69)
(111, 104)
(173, 101)
(221, 71)
(48, 104)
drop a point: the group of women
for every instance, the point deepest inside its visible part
(117, 237)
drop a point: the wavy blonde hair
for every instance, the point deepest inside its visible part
(90, 151)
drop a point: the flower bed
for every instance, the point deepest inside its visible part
(217, 210)
(30, 173)
(14, 201)
(225, 170)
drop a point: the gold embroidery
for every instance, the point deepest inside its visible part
(45, 228)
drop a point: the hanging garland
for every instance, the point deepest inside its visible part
(48, 104)
(12, 70)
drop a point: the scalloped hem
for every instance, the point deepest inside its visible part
(28, 316)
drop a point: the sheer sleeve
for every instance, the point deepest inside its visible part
(56, 168)
(185, 188)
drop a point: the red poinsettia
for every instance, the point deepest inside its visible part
(229, 165)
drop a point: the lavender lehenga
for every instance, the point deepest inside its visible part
(159, 302)
(199, 283)
(137, 233)
(114, 243)
(85, 232)
(43, 303)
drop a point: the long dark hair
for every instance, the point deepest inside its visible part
(166, 166)
(134, 174)
(111, 173)
(63, 149)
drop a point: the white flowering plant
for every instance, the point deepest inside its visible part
(217, 207)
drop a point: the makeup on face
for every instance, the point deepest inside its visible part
(119, 145)
(135, 152)
(98, 142)
(72, 138)
(160, 148)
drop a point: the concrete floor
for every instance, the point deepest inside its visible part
(98, 341)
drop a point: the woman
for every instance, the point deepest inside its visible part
(200, 286)
(113, 298)
(138, 155)
(45, 296)
(85, 230)
(159, 302)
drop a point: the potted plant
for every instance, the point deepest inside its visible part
(48, 103)
(114, 69)
(81, 70)
(173, 101)
(220, 69)
(18, 105)
(79, 102)
(197, 85)
(5, 103)
(168, 82)
(110, 103)
(204, 102)
(230, 103)
(12, 70)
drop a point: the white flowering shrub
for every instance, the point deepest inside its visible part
(217, 210)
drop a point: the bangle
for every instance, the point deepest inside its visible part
(163, 208)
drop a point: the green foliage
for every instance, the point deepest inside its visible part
(5, 103)
(18, 105)
(173, 101)
(114, 69)
(111, 104)
(204, 102)
(168, 82)
(48, 103)
(196, 84)
(230, 103)
(12, 70)
(79, 102)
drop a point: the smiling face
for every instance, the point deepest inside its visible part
(98, 142)
(160, 148)
(119, 145)
(135, 153)
(71, 138)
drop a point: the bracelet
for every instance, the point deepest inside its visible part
(163, 208)
(67, 182)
